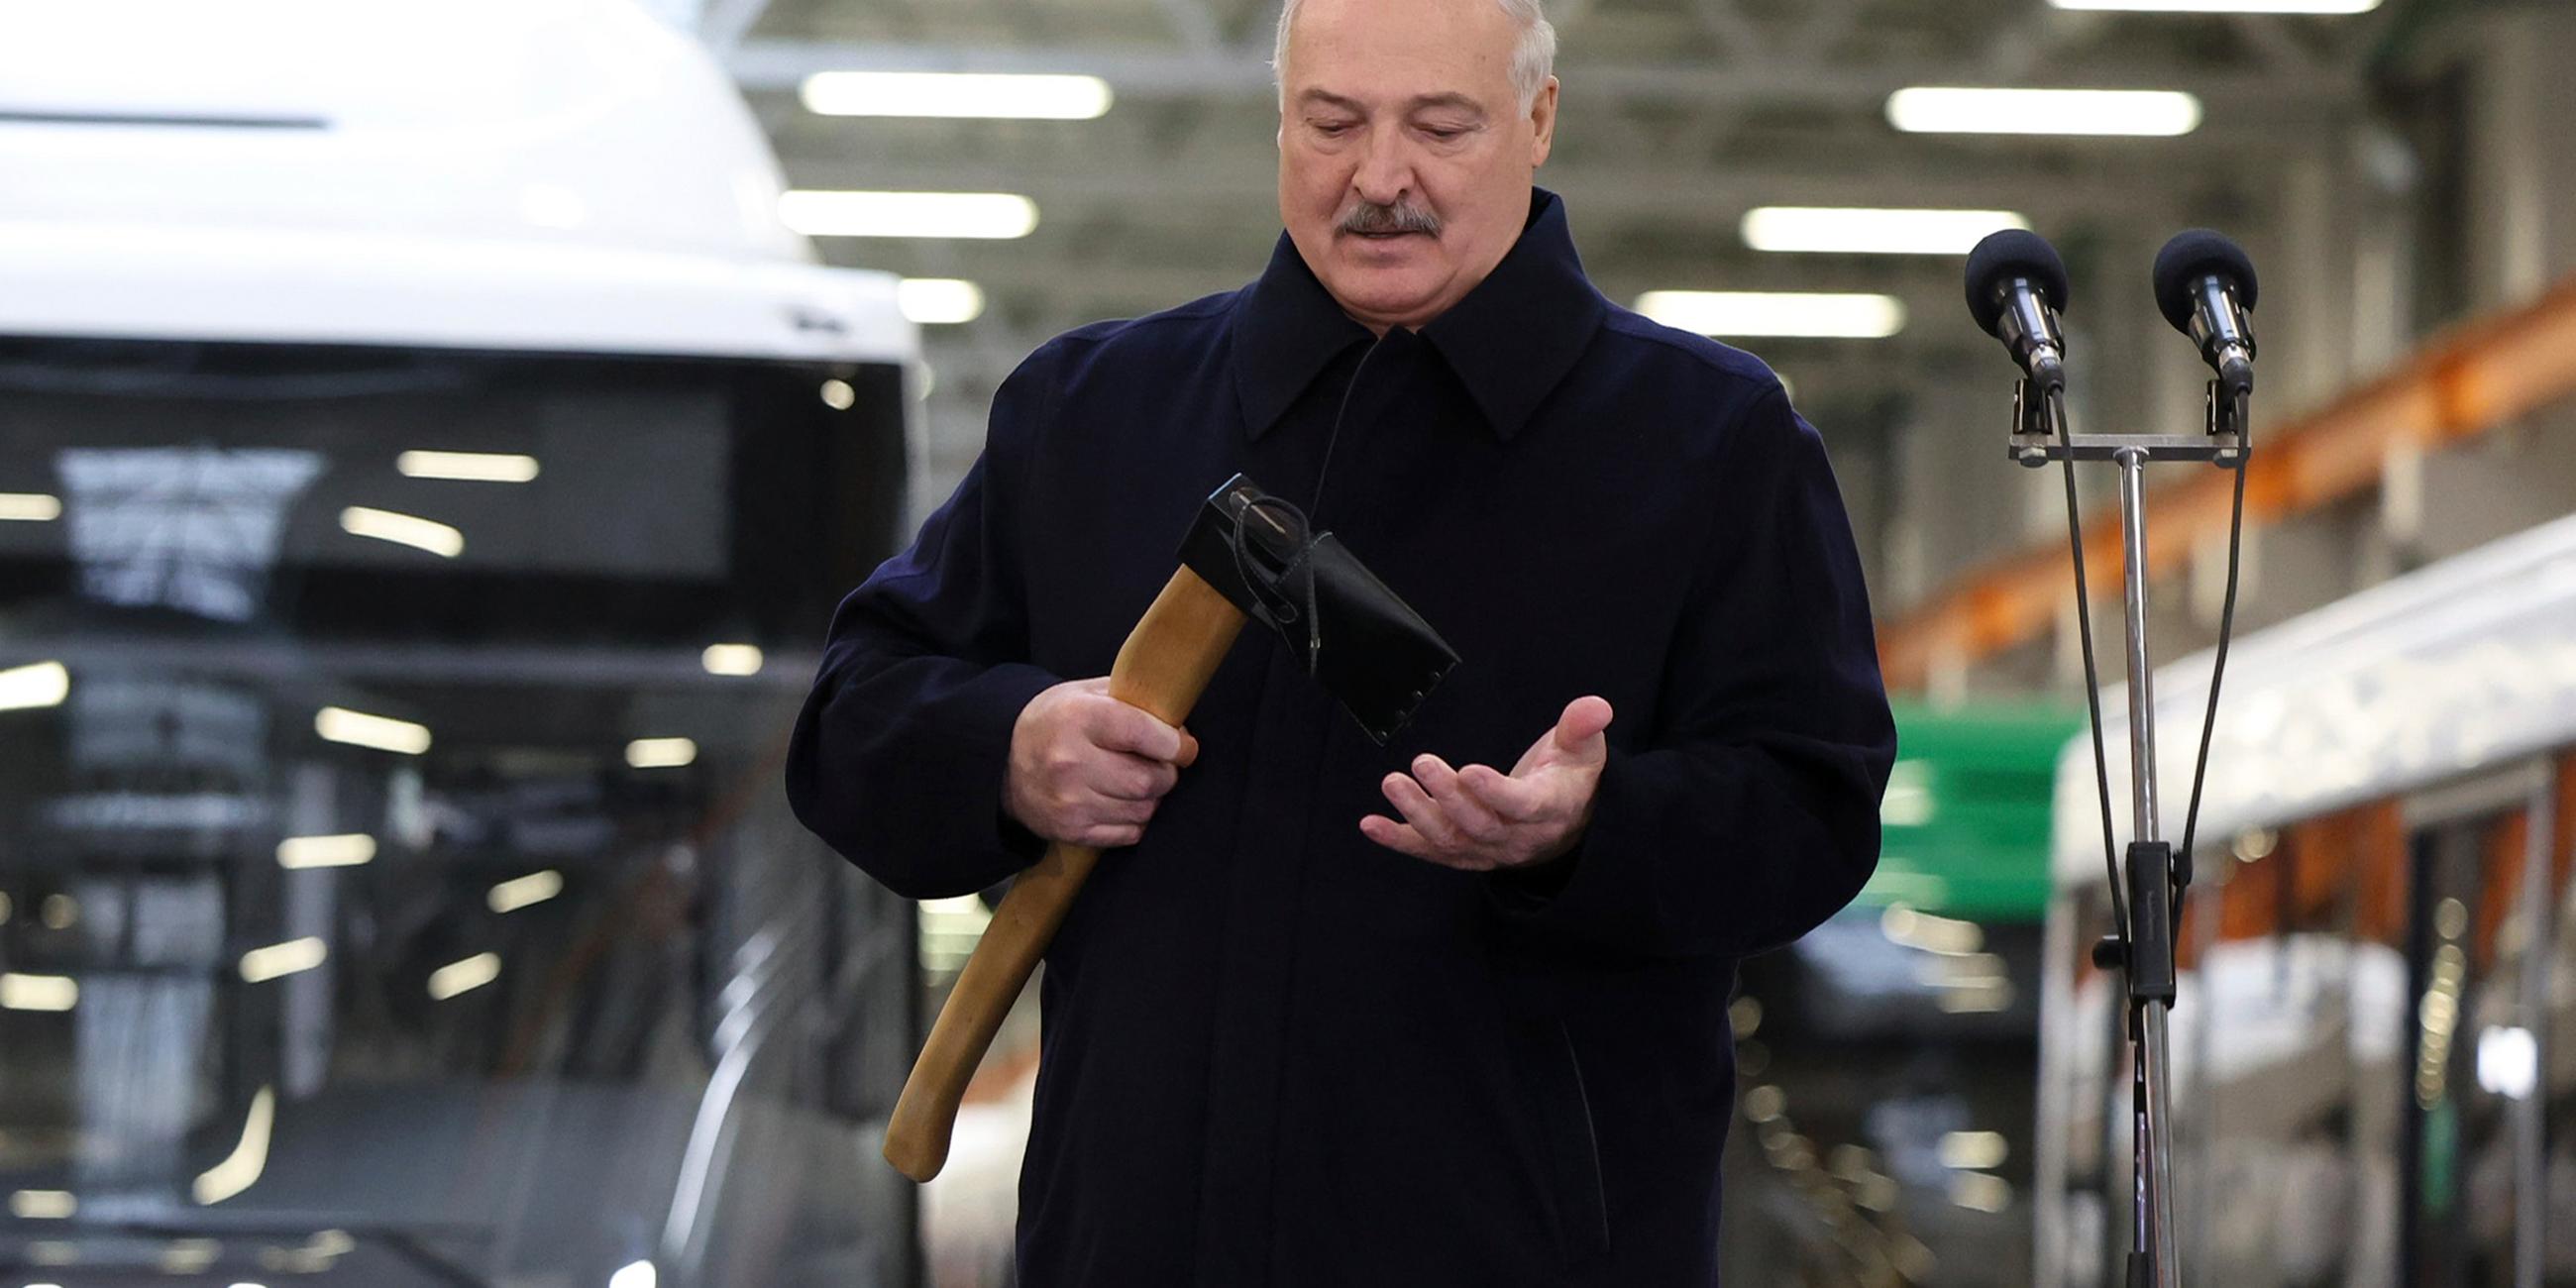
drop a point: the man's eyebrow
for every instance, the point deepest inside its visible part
(1452, 99)
(1326, 98)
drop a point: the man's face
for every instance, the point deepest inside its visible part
(1404, 157)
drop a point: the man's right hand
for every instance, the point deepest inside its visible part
(1087, 769)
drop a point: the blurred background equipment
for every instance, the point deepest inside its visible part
(434, 462)
(432, 439)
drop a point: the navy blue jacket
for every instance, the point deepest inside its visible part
(1275, 1052)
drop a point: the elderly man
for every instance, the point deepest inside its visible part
(1450, 1011)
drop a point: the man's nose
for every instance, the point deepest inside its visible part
(1385, 172)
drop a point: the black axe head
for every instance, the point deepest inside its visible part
(1366, 646)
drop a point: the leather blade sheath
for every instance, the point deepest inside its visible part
(1364, 645)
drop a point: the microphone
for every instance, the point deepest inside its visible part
(2204, 286)
(2016, 286)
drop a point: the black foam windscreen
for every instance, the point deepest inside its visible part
(2012, 254)
(2002, 256)
(2190, 256)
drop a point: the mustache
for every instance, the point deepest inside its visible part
(1400, 217)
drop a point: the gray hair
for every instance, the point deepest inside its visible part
(1533, 59)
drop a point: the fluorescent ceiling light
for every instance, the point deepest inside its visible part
(1776, 313)
(37, 684)
(957, 94)
(1975, 1151)
(1950, 110)
(1980, 1192)
(464, 977)
(660, 753)
(29, 507)
(38, 992)
(345, 850)
(988, 215)
(42, 1205)
(519, 892)
(933, 301)
(731, 659)
(260, 965)
(403, 530)
(240, 1169)
(358, 729)
(468, 467)
(2224, 6)
(1849, 230)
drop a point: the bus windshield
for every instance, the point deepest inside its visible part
(393, 872)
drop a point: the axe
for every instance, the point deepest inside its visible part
(1249, 556)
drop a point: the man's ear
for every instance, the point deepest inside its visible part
(1543, 123)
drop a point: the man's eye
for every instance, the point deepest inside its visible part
(1443, 133)
(1332, 129)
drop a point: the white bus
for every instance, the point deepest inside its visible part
(427, 467)
(2375, 1040)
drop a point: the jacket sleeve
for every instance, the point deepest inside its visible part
(1749, 814)
(898, 756)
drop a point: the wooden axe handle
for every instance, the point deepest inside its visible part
(1163, 668)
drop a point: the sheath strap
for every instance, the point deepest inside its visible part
(1297, 575)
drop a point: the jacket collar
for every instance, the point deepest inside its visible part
(1510, 341)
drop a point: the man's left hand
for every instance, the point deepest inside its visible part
(1478, 819)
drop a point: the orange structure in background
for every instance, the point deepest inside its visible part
(2463, 383)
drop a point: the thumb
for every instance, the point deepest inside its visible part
(1578, 732)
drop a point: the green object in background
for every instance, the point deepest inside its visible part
(1965, 826)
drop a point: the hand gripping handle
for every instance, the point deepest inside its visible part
(1163, 668)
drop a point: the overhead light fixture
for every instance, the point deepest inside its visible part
(346, 850)
(1859, 231)
(985, 215)
(403, 530)
(936, 301)
(1974, 1151)
(1980, 1192)
(2224, 6)
(37, 684)
(29, 507)
(1042, 97)
(731, 659)
(464, 976)
(661, 753)
(43, 1205)
(260, 965)
(468, 467)
(520, 892)
(240, 1169)
(382, 733)
(1776, 313)
(22, 992)
(634, 1274)
(2154, 113)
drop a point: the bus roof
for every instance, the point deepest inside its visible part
(566, 175)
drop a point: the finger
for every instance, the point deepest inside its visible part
(1466, 813)
(1189, 748)
(1576, 737)
(1510, 799)
(1421, 811)
(1129, 777)
(1405, 840)
(1109, 836)
(1579, 730)
(1120, 727)
(1123, 812)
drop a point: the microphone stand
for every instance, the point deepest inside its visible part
(2143, 949)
